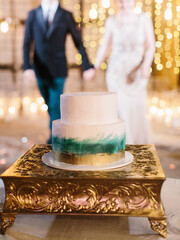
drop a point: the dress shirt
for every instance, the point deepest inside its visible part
(49, 9)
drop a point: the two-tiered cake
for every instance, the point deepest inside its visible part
(89, 131)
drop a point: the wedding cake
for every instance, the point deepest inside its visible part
(89, 131)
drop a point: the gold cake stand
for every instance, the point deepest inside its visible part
(34, 188)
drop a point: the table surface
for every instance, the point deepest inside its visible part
(145, 165)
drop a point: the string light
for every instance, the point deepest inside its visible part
(106, 3)
(3, 161)
(93, 13)
(24, 139)
(44, 108)
(1, 113)
(26, 100)
(137, 10)
(4, 27)
(40, 100)
(159, 1)
(11, 110)
(33, 107)
(168, 14)
(155, 100)
(166, 26)
(178, 8)
(165, 110)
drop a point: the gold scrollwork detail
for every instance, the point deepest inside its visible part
(145, 164)
(78, 197)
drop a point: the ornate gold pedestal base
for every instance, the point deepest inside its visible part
(6, 221)
(134, 190)
(159, 225)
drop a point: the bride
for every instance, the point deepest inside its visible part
(132, 41)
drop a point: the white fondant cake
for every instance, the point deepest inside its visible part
(89, 131)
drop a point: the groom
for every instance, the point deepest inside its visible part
(46, 29)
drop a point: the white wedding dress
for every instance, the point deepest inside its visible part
(128, 47)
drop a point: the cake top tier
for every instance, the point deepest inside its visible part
(89, 108)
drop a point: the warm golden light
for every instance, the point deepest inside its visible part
(155, 100)
(168, 14)
(159, 67)
(111, 11)
(11, 110)
(24, 139)
(33, 107)
(1, 112)
(178, 8)
(169, 35)
(158, 44)
(78, 57)
(106, 3)
(138, 10)
(168, 111)
(44, 108)
(3, 161)
(26, 100)
(153, 110)
(4, 27)
(103, 66)
(160, 113)
(162, 103)
(93, 13)
(40, 100)
(159, 1)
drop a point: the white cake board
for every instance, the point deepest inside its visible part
(48, 160)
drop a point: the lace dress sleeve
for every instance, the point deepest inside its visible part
(106, 43)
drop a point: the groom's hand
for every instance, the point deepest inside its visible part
(89, 74)
(29, 75)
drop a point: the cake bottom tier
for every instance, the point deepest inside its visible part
(88, 144)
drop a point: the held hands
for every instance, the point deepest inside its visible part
(89, 74)
(29, 75)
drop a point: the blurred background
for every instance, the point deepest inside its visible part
(23, 113)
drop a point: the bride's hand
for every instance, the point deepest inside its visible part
(130, 78)
(89, 74)
(145, 71)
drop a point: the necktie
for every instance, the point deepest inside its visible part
(47, 20)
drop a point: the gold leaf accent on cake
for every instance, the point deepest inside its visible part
(88, 159)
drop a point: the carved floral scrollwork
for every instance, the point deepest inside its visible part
(64, 196)
(128, 198)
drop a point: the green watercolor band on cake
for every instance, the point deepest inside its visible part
(107, 145)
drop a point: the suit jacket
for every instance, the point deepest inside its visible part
(49, 45)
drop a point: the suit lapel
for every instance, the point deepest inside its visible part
(40, 19)
(55, 22)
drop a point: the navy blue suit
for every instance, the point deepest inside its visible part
(49, 59)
